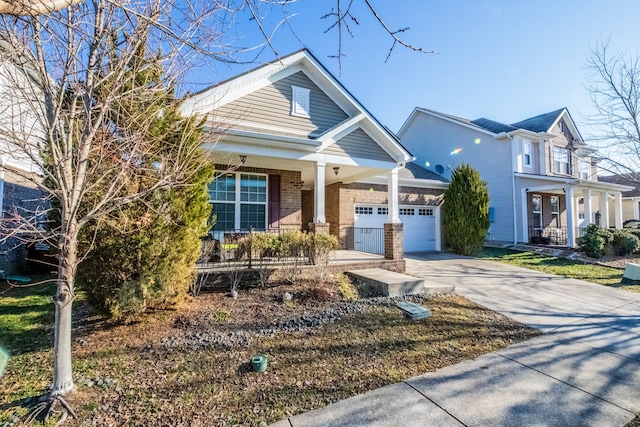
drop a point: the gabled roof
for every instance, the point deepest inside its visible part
(234, 88)
(541, 123)
(493, 126)
(630, 179)
(415, 171)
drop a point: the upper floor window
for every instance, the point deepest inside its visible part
(526, 153)
(561, 161)
(300, 101)
(584, 168)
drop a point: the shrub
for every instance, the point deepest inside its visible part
(345, 288)
(465, 211)
(264, 247)
(623, 242)
(594, 241)
(292, 247)
(320, 248)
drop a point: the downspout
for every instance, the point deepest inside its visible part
(513, 191)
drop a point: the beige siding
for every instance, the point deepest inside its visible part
(271, 107)
(357, 144)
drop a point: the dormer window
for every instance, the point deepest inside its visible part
(300, 101)
(526, 153)
(561, 161)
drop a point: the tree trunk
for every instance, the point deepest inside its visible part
(63, 374)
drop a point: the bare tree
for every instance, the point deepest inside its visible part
(614, 85)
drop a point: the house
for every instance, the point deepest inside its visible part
(631, 198)
(295, 150)
(19, 128)
(542, 176)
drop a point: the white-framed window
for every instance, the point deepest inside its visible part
(536, 209)
(555, 211)
(300, 101)
(383, 211)
(239, 201)
(561, 161)
(584, 169)
(425, 212)
(526, 153)
(364, 210)
(407, 211)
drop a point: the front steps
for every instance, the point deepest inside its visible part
(390, 284)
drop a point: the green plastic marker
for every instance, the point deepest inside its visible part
(4, 359)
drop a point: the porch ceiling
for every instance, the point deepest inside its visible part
(346, 173)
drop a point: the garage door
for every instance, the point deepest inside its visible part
(420, 228)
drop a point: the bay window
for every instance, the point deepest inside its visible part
(239, 201)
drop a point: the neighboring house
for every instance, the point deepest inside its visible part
(295, 150)
(20, 129)
(542, 176)
(631, 198)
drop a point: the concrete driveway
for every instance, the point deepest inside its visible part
(584, 371)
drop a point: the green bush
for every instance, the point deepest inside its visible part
(594, 240)
(292, 246)
(465, 211)
(623, 242)
(320, 248)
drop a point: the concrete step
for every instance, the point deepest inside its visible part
(392, 284)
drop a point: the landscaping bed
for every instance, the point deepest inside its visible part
(192, 366)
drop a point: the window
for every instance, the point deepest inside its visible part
(584, 168)
(239, 201)
(526, 153)
(383, 211)
(364, 210)
(425, 212)
(300, 101)
(561, 161)
(407, 211)
(536, 208)
(555, 211)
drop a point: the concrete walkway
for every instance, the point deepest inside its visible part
(584, 371)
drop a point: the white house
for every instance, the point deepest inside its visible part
(542, 176)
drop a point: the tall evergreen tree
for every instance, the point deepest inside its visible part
(465, 211)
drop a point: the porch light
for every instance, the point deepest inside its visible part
(243, 159)
(336, 169)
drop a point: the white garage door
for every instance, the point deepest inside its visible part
(420, 228)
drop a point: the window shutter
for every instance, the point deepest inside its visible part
(274, 202)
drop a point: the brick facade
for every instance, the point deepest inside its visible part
(393, 241)
(546, 209)
(22, 197)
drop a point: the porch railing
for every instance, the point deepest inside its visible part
(369, 240)
(548, 236)
(228, 247)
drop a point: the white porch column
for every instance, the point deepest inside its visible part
(636, 210)
(318, 194)
(617, 210)
(571, 217)
(393, 195)
(588, 209)
(604, 209)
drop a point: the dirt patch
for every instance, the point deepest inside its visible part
(192, 367)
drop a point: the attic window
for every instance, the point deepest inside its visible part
(300, 101)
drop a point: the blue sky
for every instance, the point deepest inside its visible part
(504, 60)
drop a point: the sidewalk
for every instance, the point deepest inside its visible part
(584, 371)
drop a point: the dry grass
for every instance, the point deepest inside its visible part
(160, 385)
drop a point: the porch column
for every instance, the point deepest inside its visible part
(318, 194)
(394, 196)
(588, 209)
(636, 210)
(571, 217)
(604, 209)
(393, 229)
(617, 210)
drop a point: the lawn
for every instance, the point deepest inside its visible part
(573, 269)
(192, 366)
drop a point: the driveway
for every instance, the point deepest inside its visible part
(584, 371)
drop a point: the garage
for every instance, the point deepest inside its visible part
(421, 227)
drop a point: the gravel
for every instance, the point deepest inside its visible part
(308, 321)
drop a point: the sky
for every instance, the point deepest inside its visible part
(503, 60)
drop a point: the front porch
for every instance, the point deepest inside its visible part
(558, 213)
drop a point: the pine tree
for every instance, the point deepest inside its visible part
(465, 211)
